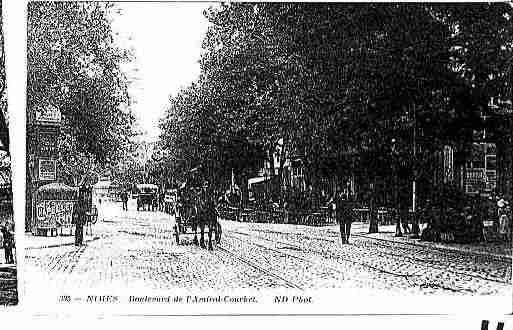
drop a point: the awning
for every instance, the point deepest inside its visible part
(57, 191)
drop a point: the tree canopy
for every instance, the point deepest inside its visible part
(74, 65)
(337, 83)
(4, 129)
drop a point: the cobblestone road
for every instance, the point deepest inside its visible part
(137, 249)
(8, 286)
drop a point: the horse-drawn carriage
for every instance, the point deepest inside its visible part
(196, 208)
(147, 196)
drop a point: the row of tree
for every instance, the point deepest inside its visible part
(74, 65)
(5, 159)
(345, 86)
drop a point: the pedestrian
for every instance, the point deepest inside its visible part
(404, 217)
(79, 215)
(124, 199)
(504, 220)
(345, 216)
(8, 244)
(349, 216)
(332, 208)
(340, 211)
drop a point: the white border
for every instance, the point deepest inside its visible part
(332, 302)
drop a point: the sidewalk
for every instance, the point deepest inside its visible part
(4, 266)
(42, 242)
(499, 250)
(106, 211)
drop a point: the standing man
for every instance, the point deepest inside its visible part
(344, 215)
(8, 244)
(124, 199)
(349, 216)
(79, 215)
(338, 206)
(161, 200)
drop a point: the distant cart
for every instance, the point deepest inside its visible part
(147, 194)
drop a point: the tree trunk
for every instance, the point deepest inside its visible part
(373, 218)
(244, 188)
(415, 229)
(280, 174)
(509, 192)
(269, 184)
(398, 232)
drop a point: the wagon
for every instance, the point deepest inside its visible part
(146, 195)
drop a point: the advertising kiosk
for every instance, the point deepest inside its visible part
(54, 209)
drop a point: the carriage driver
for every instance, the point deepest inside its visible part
(181, 201)
(208, 196)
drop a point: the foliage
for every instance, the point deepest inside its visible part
(74, 65)
(337, 83)
(4, 130)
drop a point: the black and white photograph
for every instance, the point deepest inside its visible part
(247, 150)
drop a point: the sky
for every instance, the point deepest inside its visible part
(166, 41)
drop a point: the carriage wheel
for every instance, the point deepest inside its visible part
(219, 231)
(177, 235)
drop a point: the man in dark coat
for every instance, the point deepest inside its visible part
(344, 215)
(124, 199)
(79, 215)
(350, 216)
(8, 244)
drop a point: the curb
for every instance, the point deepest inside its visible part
(59, 245)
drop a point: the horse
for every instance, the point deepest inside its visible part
(199, 210)
(207, 217)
